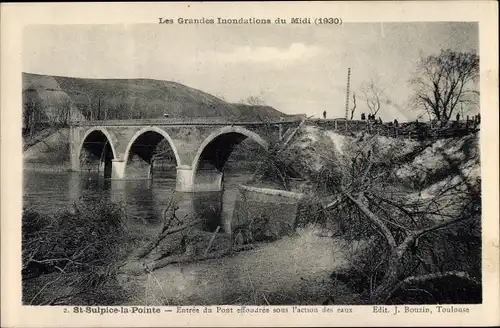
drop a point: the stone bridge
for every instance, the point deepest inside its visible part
(199, 147)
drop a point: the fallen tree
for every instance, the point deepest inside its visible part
(147, 249)
(189, 259)
(420, 226)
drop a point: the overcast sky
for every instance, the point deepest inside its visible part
(296, 69)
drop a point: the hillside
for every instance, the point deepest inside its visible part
(428, 162)
(51, 97)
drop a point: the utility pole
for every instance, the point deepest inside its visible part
(347, 93)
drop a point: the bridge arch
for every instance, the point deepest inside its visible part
(154, 136)
(217, 148)
(104, 132)
(98, 145)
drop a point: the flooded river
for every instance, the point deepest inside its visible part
(293, 270)
(51, 191)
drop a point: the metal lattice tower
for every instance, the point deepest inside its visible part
(347, 93)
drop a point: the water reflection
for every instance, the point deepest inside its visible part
(209, 206)
(48, 192)
(74, 186)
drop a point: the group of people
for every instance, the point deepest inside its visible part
(371, 117)
(475, 119)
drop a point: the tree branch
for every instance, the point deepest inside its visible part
(149, 247)
(375, 220)
(290, 137)
(431, 276)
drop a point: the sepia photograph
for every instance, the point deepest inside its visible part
(265, 163)
(251, 165)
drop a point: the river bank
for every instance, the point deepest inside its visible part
(293, 270)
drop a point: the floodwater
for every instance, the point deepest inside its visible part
(293, 270)
(52, 191)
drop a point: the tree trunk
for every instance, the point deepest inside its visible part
(149, 247)
(32, 123)
(189, 259)
(384, 290)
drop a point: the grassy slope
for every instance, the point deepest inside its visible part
(150, 98)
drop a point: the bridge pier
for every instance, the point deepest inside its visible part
(185, 179)
(205, 180)
(75, 162)
(117, 169)
(208, 180)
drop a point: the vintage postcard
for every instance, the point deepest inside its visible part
(250, 164)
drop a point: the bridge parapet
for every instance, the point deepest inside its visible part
(183, 122)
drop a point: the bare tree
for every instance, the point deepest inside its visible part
(32, 114)
(62, 110)
(353, 109)
(442, 81)
(122, 109)
(253, 101)
(373, 95)
(100, 108)
(82, 101)
(32, 111)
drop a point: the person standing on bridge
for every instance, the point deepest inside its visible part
(324, 115)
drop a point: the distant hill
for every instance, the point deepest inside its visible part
(51, 97)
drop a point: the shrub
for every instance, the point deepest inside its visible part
(79, 248)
